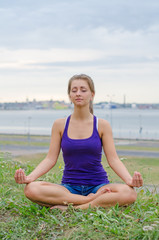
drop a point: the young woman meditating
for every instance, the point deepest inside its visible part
(81, 137)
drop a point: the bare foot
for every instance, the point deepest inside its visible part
(92, 196)
(104, 190)
(61, 207)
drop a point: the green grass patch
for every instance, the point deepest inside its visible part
(24, 140)
(44, 141)
(24, 136)
(148, 167)
(22, 219)
(137, 148)
(24, 143)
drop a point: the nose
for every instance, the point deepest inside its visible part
(78, 92)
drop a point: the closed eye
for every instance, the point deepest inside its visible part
(83, 89)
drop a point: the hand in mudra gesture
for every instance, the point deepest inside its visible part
(20, 177)
(137, 180)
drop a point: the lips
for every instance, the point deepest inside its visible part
(78, 99)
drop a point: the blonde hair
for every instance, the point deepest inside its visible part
(90, 84)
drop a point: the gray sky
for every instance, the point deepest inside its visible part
(44, 43)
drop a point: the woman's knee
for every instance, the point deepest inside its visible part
(30, 190)
(130, 194)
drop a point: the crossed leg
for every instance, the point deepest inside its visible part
(49, 194)
(57, 196)
(119, 193)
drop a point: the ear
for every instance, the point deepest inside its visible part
(92, 96)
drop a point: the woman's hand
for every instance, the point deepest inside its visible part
(137, 180)
(21, 178)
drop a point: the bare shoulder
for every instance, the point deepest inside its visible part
(59, 125)
(103, 126)
(103, 123)
(59, 121)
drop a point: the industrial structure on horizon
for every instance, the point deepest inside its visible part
(59, 105)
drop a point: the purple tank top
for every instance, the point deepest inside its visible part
(82, 159)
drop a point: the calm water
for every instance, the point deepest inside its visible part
(126, 123)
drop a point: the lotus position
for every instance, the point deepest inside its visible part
(81, 136)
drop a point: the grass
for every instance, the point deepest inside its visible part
(24, 140)
(148, 167)
(25, 136)
(24, 143)
(44, 141)
(137, 148)
(22, 219)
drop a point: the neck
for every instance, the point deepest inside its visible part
(81, 113)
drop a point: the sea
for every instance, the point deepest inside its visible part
(125, 123)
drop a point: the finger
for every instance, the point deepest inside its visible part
(140, 179)
(17, 176)
(108, 190)
(22, 176)
(135, 179)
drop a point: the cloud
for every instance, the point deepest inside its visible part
(32, 58)
(43, 43)
(49, 24)
(115, 48)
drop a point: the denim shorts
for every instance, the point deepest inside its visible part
(82, 189)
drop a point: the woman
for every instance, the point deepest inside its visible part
(81, 137)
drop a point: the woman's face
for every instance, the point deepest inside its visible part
(80, 93)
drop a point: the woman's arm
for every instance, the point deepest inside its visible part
(113, 159)
(49, 161)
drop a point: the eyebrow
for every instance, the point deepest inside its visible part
(80, 87)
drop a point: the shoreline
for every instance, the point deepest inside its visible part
(48, 136)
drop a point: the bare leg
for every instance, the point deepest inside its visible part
(103, 190)
(120, 193)
(49, 194)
